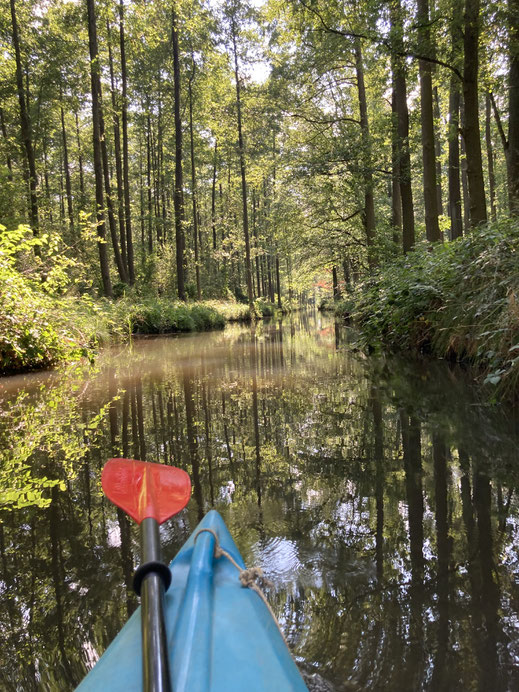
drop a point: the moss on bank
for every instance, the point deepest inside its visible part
(457, 300)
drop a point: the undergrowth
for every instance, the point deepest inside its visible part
(264, 308)
(45, 319)
(164, 316)
(458, 300)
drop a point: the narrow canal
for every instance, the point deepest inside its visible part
(379, 495)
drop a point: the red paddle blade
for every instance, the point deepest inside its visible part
(144, 489)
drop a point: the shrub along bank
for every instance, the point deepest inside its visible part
(457, 300)
(38, 330)
(44, 319)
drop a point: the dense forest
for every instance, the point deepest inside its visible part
(182, 150)
(171, 165)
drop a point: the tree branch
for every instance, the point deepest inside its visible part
(316, 121)
(382, 41)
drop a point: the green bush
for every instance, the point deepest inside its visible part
(230, 311)
(45, 320)
(264, 308)
(326, 304)
(458, 300)
(206, 317)
(343, 308)
(37, 329)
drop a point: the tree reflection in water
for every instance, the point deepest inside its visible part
(377, 494)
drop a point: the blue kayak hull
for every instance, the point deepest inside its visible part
(221, 635)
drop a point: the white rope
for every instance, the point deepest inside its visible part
(251, 578)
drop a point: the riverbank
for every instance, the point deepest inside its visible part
(456, 300)
(39, 330)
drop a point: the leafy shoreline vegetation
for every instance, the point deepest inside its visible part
(43, 321)
(175, 155)
(456, 300)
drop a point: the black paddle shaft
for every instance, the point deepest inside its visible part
(155, 662)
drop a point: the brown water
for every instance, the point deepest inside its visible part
(379, 496)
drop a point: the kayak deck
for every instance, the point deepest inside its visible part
(220, 635)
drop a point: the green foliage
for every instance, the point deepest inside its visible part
(458, 300)
(264, 308)
(341, 308)
(36, 325)
(206, 317)
(163, 316)
(231, 311)
(45, 440)
(44, 321)
(344, 307)
(326, 304)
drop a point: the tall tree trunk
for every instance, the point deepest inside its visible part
(61, 195)
(126, 173)
(108, 194)
(98, 163)
(272, 296)
(432, 227)
(274, 192)
(396, 199)
(154, 186)
(438, 149)
(368, 215)
(278, 282)
(213, 194)
(477, 201)
(241, 148)
(513, 108)
(162, 178)
(193, 186)
(455, 208)
(141, 195)
(159, 187)
(46, 174)
(464, 181)
(68, 184)
(399, 75)
(80, 164)
(96, 76)
(26, 129)
(256, 244)
(179, 182)
(117, 152)
(148, 183)
(490, 158)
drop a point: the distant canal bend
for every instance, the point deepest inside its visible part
(379, 496)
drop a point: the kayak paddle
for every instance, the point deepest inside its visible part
(150, 494)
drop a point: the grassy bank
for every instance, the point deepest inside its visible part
(458, 300)
(45, 318)
(38, 330)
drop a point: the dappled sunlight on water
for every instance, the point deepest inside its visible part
(378, 495)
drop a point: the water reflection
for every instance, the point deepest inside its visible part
(378, 495)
